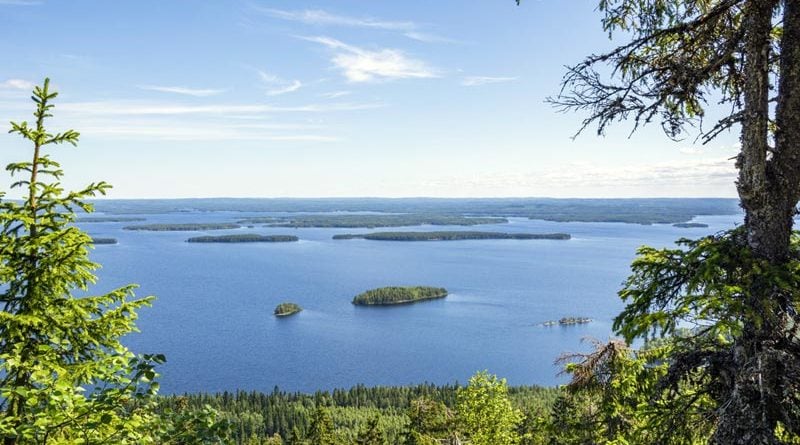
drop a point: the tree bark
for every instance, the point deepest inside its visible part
(769, 188)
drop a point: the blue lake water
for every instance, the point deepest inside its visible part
(213, 314)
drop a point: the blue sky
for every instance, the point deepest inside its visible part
(332, 98)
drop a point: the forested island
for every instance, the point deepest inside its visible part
(102, 219)
(450, 236)
(385, 296)
(690, 225)
(104, 240)
(380, 220)
(244, 238)
(287, 309)
(185, 227)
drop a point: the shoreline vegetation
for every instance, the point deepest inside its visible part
(286, 309)
(633, 211)
(244, 238)
(372, 221)
(393, 295)
(568, 321)
(690, 225)
(97, 241)
(186, 227)
(104, 219)
(450, 236)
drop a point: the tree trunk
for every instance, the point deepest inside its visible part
(769, 187)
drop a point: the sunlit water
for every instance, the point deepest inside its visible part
(213, 314)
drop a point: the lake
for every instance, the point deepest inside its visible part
(213, 314)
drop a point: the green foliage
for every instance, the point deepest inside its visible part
(244, 238)
(64, 375)
(321, 431)
(189, 426)
(399, 295)
(285, 309)
(372, 434)
(485, 412)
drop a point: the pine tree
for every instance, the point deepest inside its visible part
(64, 375)
(321, 431)
(372, 434)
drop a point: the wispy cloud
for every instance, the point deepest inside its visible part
(207, 132)
(135, 108)
(336, 94)
(318, 17)
(276, 86)
(428, 37)
(17, 84)
(196, 92)
(474, 81)
(362, 65)
(323, 18)
(20, 2)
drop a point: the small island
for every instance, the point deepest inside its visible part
(104, 241)
(188, 227)
(568, 321)
(244, 238)
(450, 236)
(287, 309)
(689, 225)
(392, 295)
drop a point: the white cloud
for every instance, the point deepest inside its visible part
(208, 132)
(276, 86)
(137, 108)
(336, 94)
(428, 37)
(17, 84)
(472, 81)
(362, 65)
(20, 2)
(693, 150)
(696, 177)
(320, 17)
(196, 92)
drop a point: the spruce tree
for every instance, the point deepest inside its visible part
(64, 375)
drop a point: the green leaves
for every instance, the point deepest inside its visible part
(485, 412)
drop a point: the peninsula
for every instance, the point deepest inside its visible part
(371, 221)
(385, 296)
(104, 241)
(244, 238)
(450, 236)
(187, 227)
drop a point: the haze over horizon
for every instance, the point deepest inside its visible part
(316, 99)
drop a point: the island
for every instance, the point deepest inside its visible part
(104, 240)
(450, 236)
(244, 238)
(689, 225)
(568, 321)
(103, 219)
(287, 309)
(187, 227)
(385, 296)
(371, 221)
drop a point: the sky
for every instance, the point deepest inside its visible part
(294, 98)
